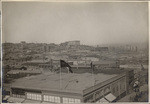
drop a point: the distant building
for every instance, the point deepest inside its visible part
(101, 49)
(23, 42)
(49, 47)
(15, 74)
(105, 64)
(90, 58)
(36, 64)
(72, 88)
(71, 43)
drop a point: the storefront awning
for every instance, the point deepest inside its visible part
(102, 100)
(32, 101)
(110, 97)
(15, 100)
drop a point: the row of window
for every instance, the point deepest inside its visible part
(71, 100)
(18, 96)
(53, 99)
(34, 96)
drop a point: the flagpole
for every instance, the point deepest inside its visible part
(60, 78)
(93, 78)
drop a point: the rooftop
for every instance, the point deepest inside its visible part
(72, 83)
(36, 61)
(104, 62)
(23, 71)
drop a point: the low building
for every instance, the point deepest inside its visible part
(69, 88)
(90, 58)
(103, 64)
(15, 74)
(36, 64)
(101, 49)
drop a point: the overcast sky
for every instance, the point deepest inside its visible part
(91, 23)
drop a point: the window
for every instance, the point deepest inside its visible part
(123, 86)
(71, 100)
(101, 93)
(14, 95)
(116, 88)
(89, 98)
(38, 97)
(28, 96)
(57, 99)
(107, 89)
(120, 87)
(98, 94)
(45, 98)
(52, 98)
(77, 101)
(34, 96)
(65, 100)
(113, 90)
(18, 96)
(22, 96)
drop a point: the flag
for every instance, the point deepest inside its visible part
(92, 66)
(64, 64)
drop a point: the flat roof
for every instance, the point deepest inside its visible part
(37, 61)
(23, 71)
(72, 82)
(104, 62)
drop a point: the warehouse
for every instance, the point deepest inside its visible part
(72, 88)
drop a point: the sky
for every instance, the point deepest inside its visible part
(92, 23)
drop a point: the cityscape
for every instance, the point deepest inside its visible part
(70, 72)
(75, 52)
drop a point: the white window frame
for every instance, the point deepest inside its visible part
(54, 99)
(71, 100)
(65, 100)
(77, 101)
(45, 98)
(34, 96)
